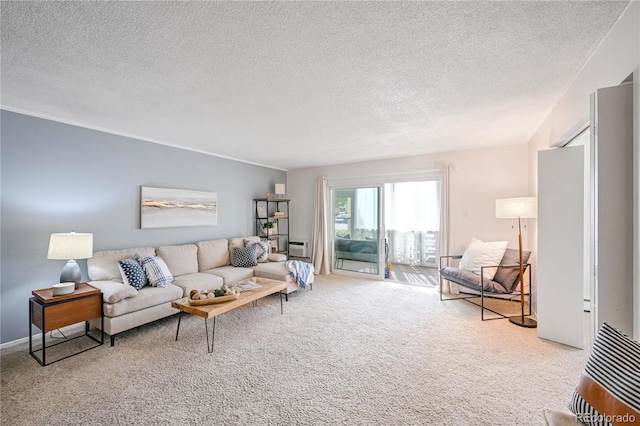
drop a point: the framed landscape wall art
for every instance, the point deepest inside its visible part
(167, 207)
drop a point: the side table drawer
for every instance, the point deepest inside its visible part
(60, 315)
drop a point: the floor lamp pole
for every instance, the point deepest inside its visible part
(521, 320)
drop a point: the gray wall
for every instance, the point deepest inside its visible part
(58, 178)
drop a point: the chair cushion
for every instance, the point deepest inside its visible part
(180, 260)
(510, 277)
(610, 384)
(480, 253)
(471, 280)
(103, 266)
(212, 254)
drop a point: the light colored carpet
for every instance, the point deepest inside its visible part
(350, 351)
(416, 275)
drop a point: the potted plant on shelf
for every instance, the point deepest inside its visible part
(269, 228)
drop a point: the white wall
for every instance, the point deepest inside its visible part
(616, 58)
(480, 177)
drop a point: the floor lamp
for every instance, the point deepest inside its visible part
(520, 208)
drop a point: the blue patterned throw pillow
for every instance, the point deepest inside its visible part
(132, 273)
(245, 256)
(157, 271)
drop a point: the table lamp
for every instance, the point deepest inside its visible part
(280, 190)
(520, 208)
(70, 246)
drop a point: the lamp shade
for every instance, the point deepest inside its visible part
(70, 246)
(513, 208)
(280, 189)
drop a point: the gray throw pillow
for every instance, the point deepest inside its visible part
(510, 277)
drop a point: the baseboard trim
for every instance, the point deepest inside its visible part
(69, 329)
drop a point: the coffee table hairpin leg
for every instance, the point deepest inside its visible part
(213, 334)
(178, 330)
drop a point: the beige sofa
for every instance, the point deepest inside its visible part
(203, 265)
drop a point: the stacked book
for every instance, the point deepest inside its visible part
(278, 215)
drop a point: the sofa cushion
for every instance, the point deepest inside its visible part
(610, 384)
(132, 272)
(198, 282)
(147, 297)
(230, 274)
(156, 270)
(245, 256)
(239, 242)
(180, 260)
(103, 266)
(212, 254)
(114, 291)
(262, 249)
(272, 270)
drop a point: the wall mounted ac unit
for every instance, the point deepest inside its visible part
(298, 248)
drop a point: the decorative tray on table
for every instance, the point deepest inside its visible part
(212, 300)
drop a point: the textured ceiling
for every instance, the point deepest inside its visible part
(299, 84)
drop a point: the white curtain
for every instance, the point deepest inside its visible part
(447, 287)
(365, 223)
(320, 246)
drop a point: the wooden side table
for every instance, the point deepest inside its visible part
(49, 312)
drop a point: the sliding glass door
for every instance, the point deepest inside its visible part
(412, 222)
(357, 242)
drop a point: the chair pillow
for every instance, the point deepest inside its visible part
(132, 272)
(245, 257)
(510, 277)
(609, 389)
(262, 250)
(157, 271)
(480, 253)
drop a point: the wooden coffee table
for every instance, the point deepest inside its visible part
(267, 287)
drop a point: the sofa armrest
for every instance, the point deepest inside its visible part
(113, 291)
(277, 257)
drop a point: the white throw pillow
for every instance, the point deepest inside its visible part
(480, 253)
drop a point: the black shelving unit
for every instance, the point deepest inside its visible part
(265, 212)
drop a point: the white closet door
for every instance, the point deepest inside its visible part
(561, 245)
(612, 217)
